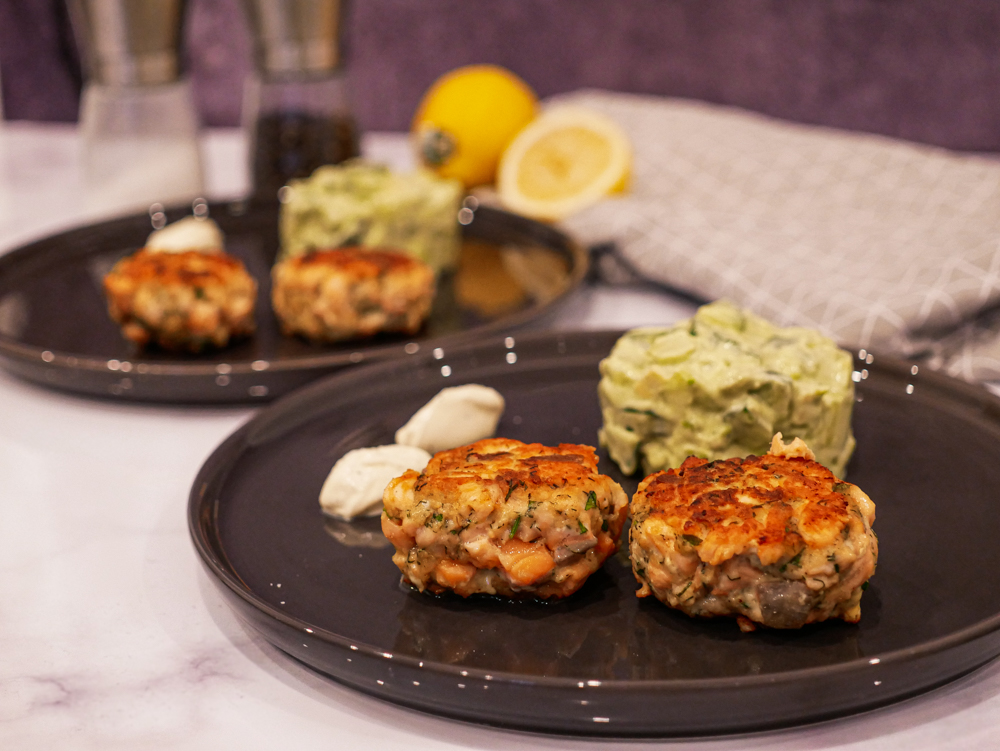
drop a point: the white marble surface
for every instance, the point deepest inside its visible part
(112, 636)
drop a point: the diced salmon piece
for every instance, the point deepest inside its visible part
(525, 562)
(449, 573)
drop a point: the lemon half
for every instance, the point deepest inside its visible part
(565, 160)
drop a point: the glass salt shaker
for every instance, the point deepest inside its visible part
(296, 106)
(138, 126)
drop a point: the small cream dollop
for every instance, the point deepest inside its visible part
(189, 233)
(355, 485)
(456, 416)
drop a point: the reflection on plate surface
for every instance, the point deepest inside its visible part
(360, 533)
(54, 326)
(603, 661)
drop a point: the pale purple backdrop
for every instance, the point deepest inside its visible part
(925, 70)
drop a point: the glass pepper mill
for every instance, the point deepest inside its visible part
(296, 107)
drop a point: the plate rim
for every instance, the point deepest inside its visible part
(966, 392)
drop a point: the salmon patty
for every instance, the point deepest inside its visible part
(502, 517)
(774, 539)
(192, 300)
(349, 293)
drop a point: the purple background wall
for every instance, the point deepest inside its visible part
(925, 70)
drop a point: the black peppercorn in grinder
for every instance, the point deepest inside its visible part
(296, 107)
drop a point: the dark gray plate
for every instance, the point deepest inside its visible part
(604, 662)
(55, 330)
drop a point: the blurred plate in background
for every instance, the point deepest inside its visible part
(55, 329)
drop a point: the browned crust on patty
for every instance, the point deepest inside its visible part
(773, 504)
(530, 463)
(189, 268)
(190, 300)
(357, 262)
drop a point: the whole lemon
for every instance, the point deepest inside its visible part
(467, 118)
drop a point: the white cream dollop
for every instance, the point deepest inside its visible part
(355, 485)
(455, 417)
(190, 233)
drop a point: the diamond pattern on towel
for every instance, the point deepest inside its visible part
(878, 243)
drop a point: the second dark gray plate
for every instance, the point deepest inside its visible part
(55, 329)
(603, 662)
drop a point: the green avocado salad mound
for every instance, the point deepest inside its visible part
(720, 385)
(358, 203)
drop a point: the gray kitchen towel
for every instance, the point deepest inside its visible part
(880, 244)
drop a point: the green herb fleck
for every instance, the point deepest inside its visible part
(591, 501)
(794, 561)
(841, 487)
(864, 586)
(514, 526)
(691, 540)
(604, 526)
(583, 529)
(634, 411)
(439, 517)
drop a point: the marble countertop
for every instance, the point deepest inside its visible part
(111, 633)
